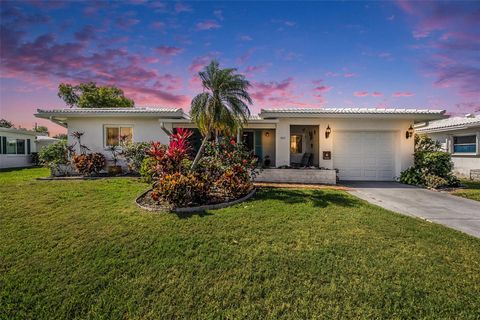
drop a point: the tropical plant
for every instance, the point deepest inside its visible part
(180, 190)
(162, 159)
(88, 95)
(54, 154)
(88, 164)
(134, 153)
(223, 106)
(114, 150)
(77, 135)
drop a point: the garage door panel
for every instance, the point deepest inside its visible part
(364, 155)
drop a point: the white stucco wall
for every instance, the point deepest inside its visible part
(462, 163)
(403, 147)
(268, 145)
(144, 129)
(17, 160)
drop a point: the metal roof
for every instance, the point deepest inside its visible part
(109, 110)
(452, 123)
(352, 111)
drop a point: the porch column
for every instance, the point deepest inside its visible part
(239, 136)
(282, 144)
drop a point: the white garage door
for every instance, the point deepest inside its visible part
(364, 155)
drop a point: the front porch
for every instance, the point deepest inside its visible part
(300, 175)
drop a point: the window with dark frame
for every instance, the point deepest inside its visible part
(465, 144)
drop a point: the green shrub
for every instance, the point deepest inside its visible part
(54, 154)
(432, 167)
(135, 153)
(438, 163)
(435, 182)
(411, 176)
(147, 170)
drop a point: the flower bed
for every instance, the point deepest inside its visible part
(222, 175)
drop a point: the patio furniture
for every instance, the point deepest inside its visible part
(306, 161)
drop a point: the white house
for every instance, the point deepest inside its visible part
(461, 137)
(16, 147)
(363, 144)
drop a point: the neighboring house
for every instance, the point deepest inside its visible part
(43, 141)
(459, 136)
(16, 147)
(363, 144)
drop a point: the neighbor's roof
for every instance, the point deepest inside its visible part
(18, 131)
(453, 123)
(46, 138)
(74, 112)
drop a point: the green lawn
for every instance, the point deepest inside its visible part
(471, 190)
(82, 249)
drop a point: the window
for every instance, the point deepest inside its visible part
(295, 143)
(465, 144)
(15, 146)
(115, 135)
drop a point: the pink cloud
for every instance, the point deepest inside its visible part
(376, 94)
(254, 69)
(403, 94)
(207, 25)
(182, 7)
(168, 50)
(360, 93)
(199, 62)
(273, 91)
(349, 75)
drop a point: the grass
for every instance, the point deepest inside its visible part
(82, 249)
(471, 190)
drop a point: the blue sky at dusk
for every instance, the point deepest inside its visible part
(296, 54)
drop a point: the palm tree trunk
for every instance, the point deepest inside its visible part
(200, 152)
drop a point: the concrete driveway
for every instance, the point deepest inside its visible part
(440, 207)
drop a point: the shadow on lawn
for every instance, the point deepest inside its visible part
(187, 215)
(319, 198)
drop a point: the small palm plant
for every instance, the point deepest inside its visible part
(223, 106)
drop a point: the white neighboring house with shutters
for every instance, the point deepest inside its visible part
(16, 147)
(459, 136)
(361, 143)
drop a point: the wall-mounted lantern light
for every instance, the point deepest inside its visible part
(327, 132)
(267, 133)
(409, 132)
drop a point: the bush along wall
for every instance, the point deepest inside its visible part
(432, 167)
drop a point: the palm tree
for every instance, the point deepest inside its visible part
(223, 106)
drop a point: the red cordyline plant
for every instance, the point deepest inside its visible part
(168, 159)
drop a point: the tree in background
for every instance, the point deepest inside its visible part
(222, 107)
(6, 124)
(88, 95)
(41, 129)
(61, 136)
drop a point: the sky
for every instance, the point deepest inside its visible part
(295, 54)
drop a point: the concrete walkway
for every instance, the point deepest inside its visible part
(440, 207)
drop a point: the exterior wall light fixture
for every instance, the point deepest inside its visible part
(409, 132)
(327, 132)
